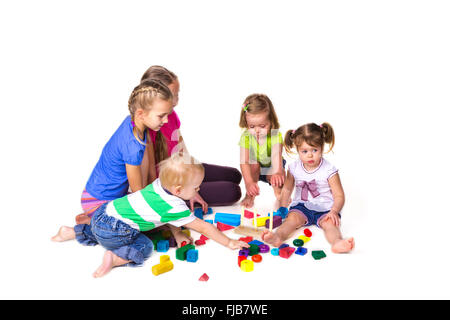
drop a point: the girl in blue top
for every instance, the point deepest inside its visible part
(119, 166)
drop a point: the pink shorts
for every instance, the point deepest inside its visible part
(89, 203)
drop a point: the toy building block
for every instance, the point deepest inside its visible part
(275, 252)
(301, 251)
(164, 265)
(261, 222)
(257, 242)
(199, 242)
(298, 242)
(304, 238)
(246, 239)
(286, 252)
(204, 277)
(183, 244)
(155, 237)
(248, 231)
(202, 237)
(283, 211)
(209, 221)
(186, 232)
(172, 242)
(254, 249)
(276, 222)
(198, 212)
(192, 255)
(240, 259)
(307, 232)
(284, 245)
(263, 248)
(249, 214)
(247, 265)
(318, 254)
(180, 253)
(223, 227)
(244, 252)
(228, 218)
(257, 258)
(162, 246)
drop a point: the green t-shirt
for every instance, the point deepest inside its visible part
(260, 153)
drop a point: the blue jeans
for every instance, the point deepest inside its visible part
(116, 236)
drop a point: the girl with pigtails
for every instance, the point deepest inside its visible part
(319, 196)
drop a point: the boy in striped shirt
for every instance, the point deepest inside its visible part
(117, 225)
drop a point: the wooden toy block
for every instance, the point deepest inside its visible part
(247, 265)
(277, 221)
(248, 231)
(257, 242)
(283, 211)
(284, 245)
(228, 218)
(204, 277)
(261, 222)
(286, 252)
(301, 251)
(257, 258)
(240, 259)
(305, 239)
(164, 265)
(198, 212)
(244, 252)
(254, 249)
(180, 253)
(275, 252)
(186, 232)
(248, 214)
(263, 248)
(318, 254)
(298, 242)
(307, 232)
(209, 221)
(162, 246)
(199, 242)
(246, 239)
(223, 227)
(192, 255)
(204, 238)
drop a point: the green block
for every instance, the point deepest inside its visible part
(254, 249)
(180, 254)
(318, 254)
(298, 242)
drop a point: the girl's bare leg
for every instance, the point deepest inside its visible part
(292, 222)
(110, 260)
(249, 200)
(64, 234)
(334, 237)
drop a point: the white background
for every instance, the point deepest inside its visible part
(378, 71)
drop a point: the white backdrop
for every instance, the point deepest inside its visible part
(378, 71)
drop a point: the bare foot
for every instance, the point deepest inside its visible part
(82, 218)
(271, 238)
(110, 260)
(248, 201)
(64, 234)
(343, 245)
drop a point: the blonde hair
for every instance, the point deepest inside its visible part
(143, 97)
(312, 134)
(178, 170)
(255, 104)
(166, 77)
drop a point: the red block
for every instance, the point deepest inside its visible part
(286, 252)
(204, 277)
(246, 239)
(307, 232)
(257, 258)
(249, 214)
(202, 237)
(199, 242)
(240, 258)
(222, 226)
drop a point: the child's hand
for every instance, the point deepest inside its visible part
(252, 189)
(237, 244)
(180, 237)
(334, 217)
(277, 180)
(197, 198)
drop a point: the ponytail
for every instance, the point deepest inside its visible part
(289, 141)
(161, 152)
(328, 134)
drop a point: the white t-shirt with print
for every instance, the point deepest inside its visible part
(324, 201)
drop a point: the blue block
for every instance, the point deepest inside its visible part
(283, 211)
(275, 252)
(257, 242)
(228, 218)
(192, 255)
(198, 212)
(209, 221)
(162, 246)
(301, 251)
(284, 245)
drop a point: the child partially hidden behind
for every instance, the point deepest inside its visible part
(117, 225)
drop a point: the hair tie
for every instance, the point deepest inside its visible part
(321, 126)
(245, 106)
(132, 124)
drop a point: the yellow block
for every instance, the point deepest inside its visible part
(304, 238)
(186, 232)
(165, 265)
(247, 265)
(261, 221)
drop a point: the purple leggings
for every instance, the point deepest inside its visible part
(220, 187)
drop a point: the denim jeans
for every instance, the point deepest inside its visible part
(116, 236)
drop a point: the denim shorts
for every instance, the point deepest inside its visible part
(263, 177)
(116, 236)
(312, 217)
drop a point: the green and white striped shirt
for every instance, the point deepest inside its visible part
(150, 208)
